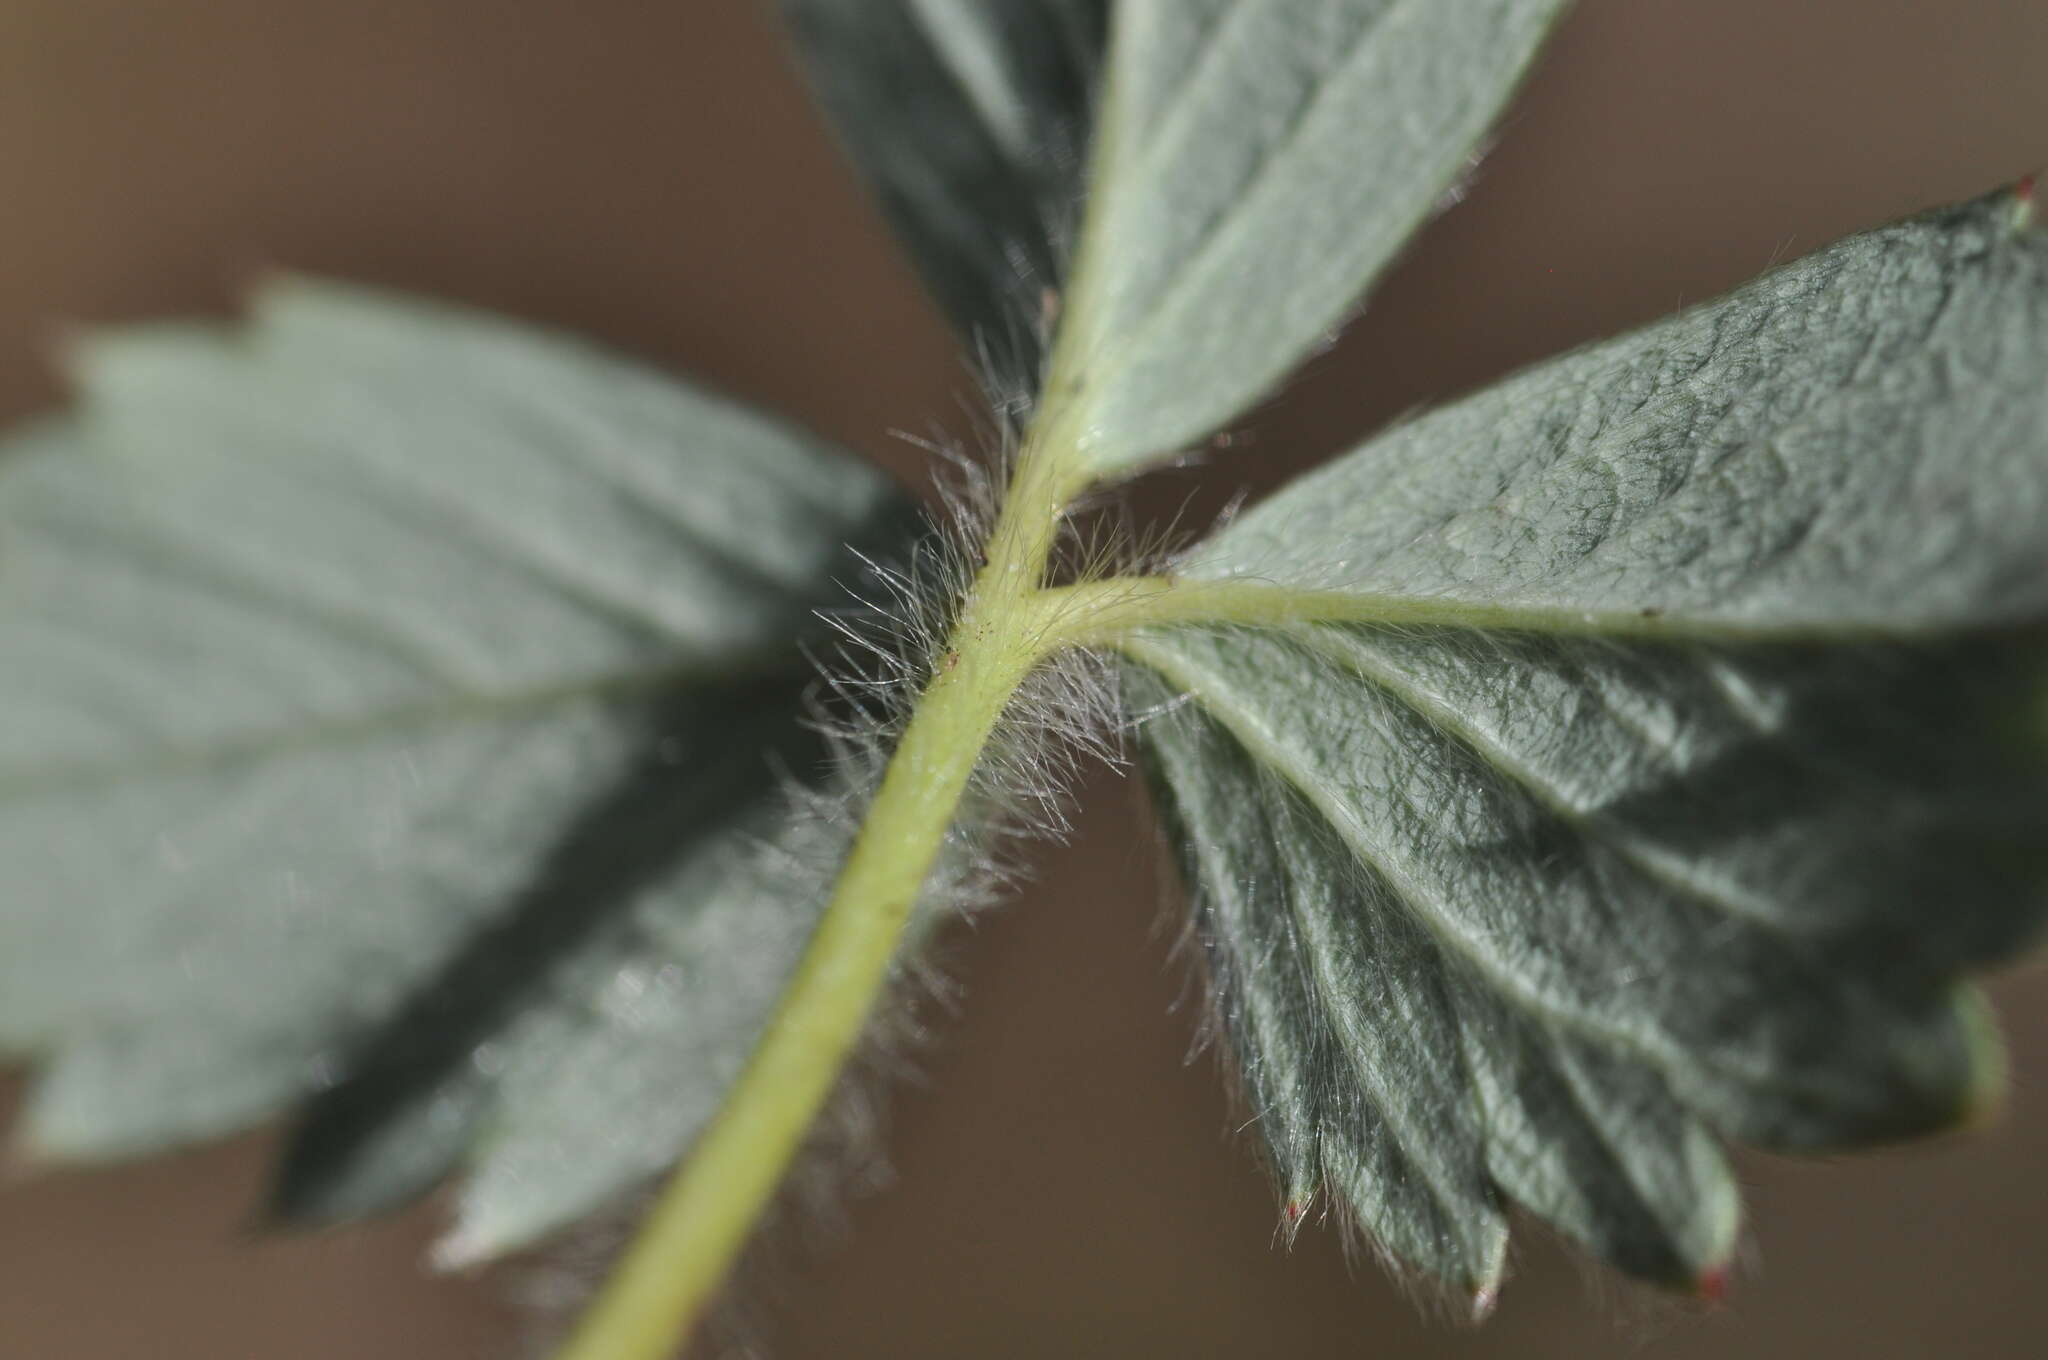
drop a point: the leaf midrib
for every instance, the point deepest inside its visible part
(1105, 612)
(299, 736)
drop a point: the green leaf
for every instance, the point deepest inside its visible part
(970, 121)
(1257, 166)
(395, 700)
(1635, 755)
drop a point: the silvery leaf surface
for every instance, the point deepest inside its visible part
(395, 706)
(970, 121)
(1256, 167)
(1634, 757)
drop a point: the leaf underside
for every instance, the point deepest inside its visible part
(396, 706)
(1257, 167)
(971, 123)
(1712, 752)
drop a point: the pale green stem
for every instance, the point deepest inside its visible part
(658, 1292)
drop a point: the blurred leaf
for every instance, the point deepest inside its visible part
(1638, 753)
(1257, 166)
(971, 121)
(394, 705)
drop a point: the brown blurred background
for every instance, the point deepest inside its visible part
(648, 171)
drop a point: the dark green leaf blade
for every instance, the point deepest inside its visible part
(392, 693)
(971, 123)
(1667, 727)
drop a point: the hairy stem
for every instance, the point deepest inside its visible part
(702, 1218)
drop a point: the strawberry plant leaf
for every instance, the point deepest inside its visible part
(1256, 167)
(396, 699)
(971, 122)
(1634, 755)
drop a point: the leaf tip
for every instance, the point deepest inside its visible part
(2025, 208)
(262, 281)
(1982, 1098)
(485, 1228)
(1482, 1289)
(65, 346)
(37, 1146)
(1294, 1212)
(299, 1198)
(1711, 1285)
(461, 1248)
(1294, 1216)
(44, 1138)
